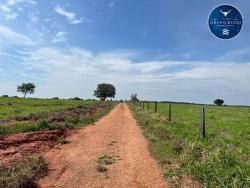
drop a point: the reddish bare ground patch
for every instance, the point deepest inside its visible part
(15, 147)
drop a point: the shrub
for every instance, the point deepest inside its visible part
(77, 98)
(6, 96)
(24, 173)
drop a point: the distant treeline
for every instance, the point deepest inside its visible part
(198, 104)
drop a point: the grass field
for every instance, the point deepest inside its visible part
(222, 159)
(12, 107)
(23, 115)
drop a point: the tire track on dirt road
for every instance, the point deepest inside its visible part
(117, 144)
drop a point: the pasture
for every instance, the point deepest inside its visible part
(23, 115)
(13, 107)
(222, 159)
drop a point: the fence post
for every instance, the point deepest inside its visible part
(155, 107)
(143, 105)
(203, 123)
(170, 112)
(148, 105)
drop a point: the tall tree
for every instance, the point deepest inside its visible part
(219, 102)
(104, 91)
(26, 88)
(133, 97)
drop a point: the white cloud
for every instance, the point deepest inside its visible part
(75, 72)
(70, 16)
(8, 9)
(60, 37)
(10, 37)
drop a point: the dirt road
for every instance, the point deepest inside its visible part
(114, 145)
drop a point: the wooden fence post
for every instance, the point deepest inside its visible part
(155, 107)
(203, 123)
(148, 105)
(170, 112)
(143, 105)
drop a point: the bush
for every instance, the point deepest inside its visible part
(56, 98)
(77, 98)
(6, 96)
(24, 173)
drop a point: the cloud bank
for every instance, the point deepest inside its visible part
(68, 72)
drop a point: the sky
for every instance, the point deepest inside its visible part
(161, 49)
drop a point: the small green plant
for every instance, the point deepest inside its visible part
(106, 159)
(43, 124)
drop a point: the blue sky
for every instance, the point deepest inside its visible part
(162, 50)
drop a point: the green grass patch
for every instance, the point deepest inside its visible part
(20, 107)
(43, 124)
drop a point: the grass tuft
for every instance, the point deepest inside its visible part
(101, 168)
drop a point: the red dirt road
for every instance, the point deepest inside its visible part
(116, 135)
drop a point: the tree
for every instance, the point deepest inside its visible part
(219, 102)
(133, 97)
(104, 91)
(26, 88)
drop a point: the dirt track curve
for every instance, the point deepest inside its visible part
(117, 136)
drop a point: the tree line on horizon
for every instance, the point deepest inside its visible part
(103, 91)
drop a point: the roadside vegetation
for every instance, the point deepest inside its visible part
(219, 160)
(24, 173)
